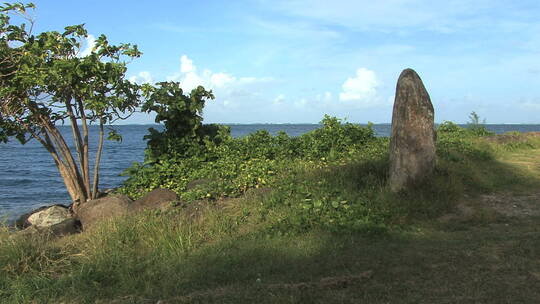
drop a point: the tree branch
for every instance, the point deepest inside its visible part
(98, 160)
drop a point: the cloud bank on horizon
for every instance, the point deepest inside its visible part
(294, 61)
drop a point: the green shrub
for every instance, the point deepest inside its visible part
(332, 178)
(477, 128)
(233, 165)
(454, 143)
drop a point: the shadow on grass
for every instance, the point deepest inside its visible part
(487, 266)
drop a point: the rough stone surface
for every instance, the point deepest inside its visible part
(49, 216)
(156, 199)
(412, 144)
(102, 208)
(23, 221)
(66, 227)
(69, 226)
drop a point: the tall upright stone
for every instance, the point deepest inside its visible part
(412, 144)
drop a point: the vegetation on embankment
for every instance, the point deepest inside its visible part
(302, 220)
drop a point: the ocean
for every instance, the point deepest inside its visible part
(29, 178)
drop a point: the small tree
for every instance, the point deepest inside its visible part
(476, 126)
(474, 119)
(181, 115)
(45, 82)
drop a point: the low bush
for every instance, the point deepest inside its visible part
(230, 166)
(332, 178)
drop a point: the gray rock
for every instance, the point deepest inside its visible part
(49, 216)
(22, 222)
(106, 192)
(69, 226)
(155, 199)
(412, 143)
(93, 211)
(66, 227)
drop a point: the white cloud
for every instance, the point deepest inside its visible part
(362, 87)
(325, 98)
(186, 65)
(231, 92)
(90, 43)
(279, 99)
(250, 80)
(142, 77)
(221, 79)
(189, 78)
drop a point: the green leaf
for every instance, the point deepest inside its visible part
(114, 136)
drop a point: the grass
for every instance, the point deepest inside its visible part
(272, 246)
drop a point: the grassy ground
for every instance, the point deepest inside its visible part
(469, 235)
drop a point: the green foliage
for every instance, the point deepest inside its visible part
(334, 139)
(230, 166)
(474, 119)
(182, 118)
(332, 178)
(45, 82)
(43, 78)
(340, 196)
(476, 127)
(454, 143)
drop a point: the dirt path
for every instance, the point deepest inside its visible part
(512, 204)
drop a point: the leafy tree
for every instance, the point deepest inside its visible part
(45, 82)
(183, 134)
(476, 126)
(183, 143)
(474, 119)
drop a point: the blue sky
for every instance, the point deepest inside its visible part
(294, 61)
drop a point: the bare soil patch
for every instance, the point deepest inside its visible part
(513, 205)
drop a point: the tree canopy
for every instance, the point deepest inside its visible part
(45, 82)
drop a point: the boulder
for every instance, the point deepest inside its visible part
(92, 211)
(412, 143)
(106, 192)
(56, 214)
(66, 227)
(49, 216)
(155, 199)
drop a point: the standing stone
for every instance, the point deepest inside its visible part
(412, 144)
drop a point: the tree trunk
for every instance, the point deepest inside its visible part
(98, 160)
(66, 164)
(85, 165)
(74, 189)
(79, 145)
(72, 185)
